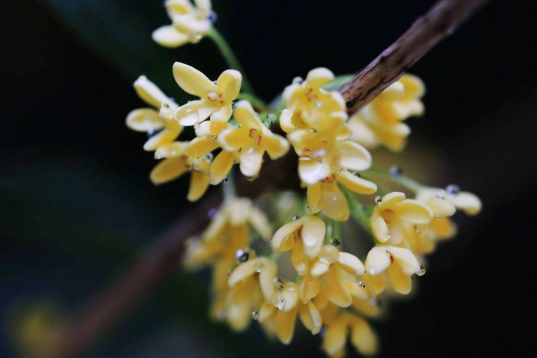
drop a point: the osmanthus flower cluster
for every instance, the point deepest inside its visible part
(305, 270)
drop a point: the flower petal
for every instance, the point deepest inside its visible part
(283, 239)
(334, 288)
(335, 337)
(311, 317)
(362, 337)
(260, 223)
(314, 198)
(351, 263)
(168, 170)
(150, 93)
(251, 160)
(192, 81)
(169, 36)
(223, 114)
(144, 120)
(391, 199)
(285, 325)
(232, 139)
(466, 201)
(379, 228)
(355, 183)
(199, 183)
(413, 212)
(353, 156)
(401, 283)
(312, 234)
(246, 116)
(377, 261)
(312, 171)
(221, 166)
(405, 259)
(318, 77)
(266, 279)
(201, 146)
(229, 85)
(275, 145)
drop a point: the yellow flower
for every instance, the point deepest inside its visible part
(379, 122)
(281, 321)
(443, 204)
(189, 23)
(219, 246)
(362, 336)
(394, 263)
(227, 232)
(176, 163)
(251, 284)
(251, 139)
(150, 120)
(215, 98)
(304, 235)
(394, 216)
(308, 104)
(321, 155)
(325, 196)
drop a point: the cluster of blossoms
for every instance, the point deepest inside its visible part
(305, 270)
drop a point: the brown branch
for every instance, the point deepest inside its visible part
(137, 281)
(441, 21)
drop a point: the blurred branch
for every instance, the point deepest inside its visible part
(442, 20)
(155, 263)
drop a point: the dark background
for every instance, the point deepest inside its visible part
(76, 202)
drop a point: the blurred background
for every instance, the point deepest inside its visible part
(76, 203)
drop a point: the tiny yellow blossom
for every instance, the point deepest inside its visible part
(379, 122)
(443, 204)
(189, 23)
(308, 104)
(393, 263)
(251, 139)
(326, 196)
(150, 120)
(320, 155)
(219, 246)
(362, 336)
(251, 284)
(394, 217)
(176, 164)
(215, 98)
(305, 234)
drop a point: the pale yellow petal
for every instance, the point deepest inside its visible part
(150, 93)
(229, 85)
(377, 261)
(251, 160)
(192, 81)
(168, 135)
(312, 171)
(223, 114)
(334, 288)
(170, 150)
(201, 146)
(309, 288)
(199, 183)
(319, 268)
(285, 120)
(318, 77)
(221, 166)
(313, 233)
(169, 36)
(353, 156)
(311, 317)
(285, 325)
(362, 337)
(275, 145)
(314, 198)
(232, 139)
(334, 203)
(466, 201)
(245, 270)
(260, 223)
(195, 112)
(168, 169)
(283, 239)
(379, 228)
(266, 279)
(266, 311)
(351, 263)
(401, 283)
(335, 337)
(246, 116)
(356, 184)
(405, 259)
(144, 120)
(391, 199)
(413, 212)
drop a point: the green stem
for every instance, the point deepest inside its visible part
(275, 256)
(230, 58)
(228, 187)
(402, 180)
(357, 210)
